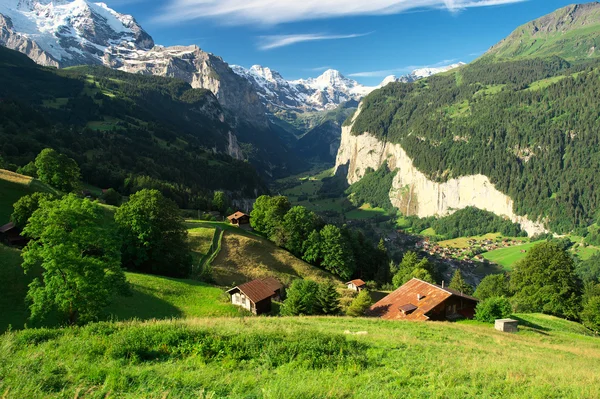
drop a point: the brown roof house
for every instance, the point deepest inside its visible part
(239, 219)
(420, 300)
(255, 296)
(11, 235)
(356, 285)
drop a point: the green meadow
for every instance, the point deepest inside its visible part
(302, 357)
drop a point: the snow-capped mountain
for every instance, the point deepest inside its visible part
(325, 92)
(65, 32)
(420, 73)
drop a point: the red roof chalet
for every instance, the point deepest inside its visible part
(420, 300)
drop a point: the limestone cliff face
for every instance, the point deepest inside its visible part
(413, 193)
(201, 70)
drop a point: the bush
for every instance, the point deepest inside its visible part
(493, 308)
(360, 304)
(590, 316)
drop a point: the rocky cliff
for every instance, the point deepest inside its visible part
(413, 193)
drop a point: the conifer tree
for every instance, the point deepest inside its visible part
(328, 299)
(458, 283)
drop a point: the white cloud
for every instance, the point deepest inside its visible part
(273, 12)
(397, 71)
(275, 41)
(319, 69)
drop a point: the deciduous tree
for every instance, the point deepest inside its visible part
(493, 285)
(545, 281)
(26, 206)
(268, 213)
(154, 236)
(57, 170)
(79, 256)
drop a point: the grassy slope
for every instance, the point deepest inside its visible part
(572, 44)
(13, 286)
(156, 297)
(244, 257)
(152, 296)
(274, 358)
(14, 186)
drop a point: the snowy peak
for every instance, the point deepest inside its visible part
(69, 32)
(426, 72)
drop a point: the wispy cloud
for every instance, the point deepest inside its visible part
(275, 41)
(318, 69)
(399, 71)
(273, 12)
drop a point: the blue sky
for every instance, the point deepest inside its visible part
(364, 39)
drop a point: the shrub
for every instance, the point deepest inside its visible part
(590, 316)
(360, 304)
(493, 308)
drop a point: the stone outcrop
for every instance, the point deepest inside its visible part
(415, 194)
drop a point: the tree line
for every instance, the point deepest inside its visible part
(343, 252)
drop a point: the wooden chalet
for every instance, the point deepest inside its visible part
(419, 300)
(276, 286)
(11, 235)
(255, 296)
(239, 219)
(356, 285)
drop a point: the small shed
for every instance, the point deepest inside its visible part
(254, 296)
(507, 325)
(11, 235)
(276, 286)
(356, 285)
(239, 219)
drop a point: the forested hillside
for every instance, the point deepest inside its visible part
(530, 125)
(124, 130)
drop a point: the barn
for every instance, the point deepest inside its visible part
(239, 219)
(419, 300)
(255, 296)
(11, 235)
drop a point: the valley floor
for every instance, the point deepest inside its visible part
(304, 357)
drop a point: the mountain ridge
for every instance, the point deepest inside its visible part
(569, 32)
(323, 93)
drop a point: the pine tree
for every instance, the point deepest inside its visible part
(458, 283)
(328, 299)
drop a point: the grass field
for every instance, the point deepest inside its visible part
(14, 186)
(155, 297)
(13, 286)
(506, 257)
(365, 212)
(302, 357)
(246, 257)
(463, 242)
(152, 296)
(200, 239)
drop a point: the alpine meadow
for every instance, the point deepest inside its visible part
(177, 224)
